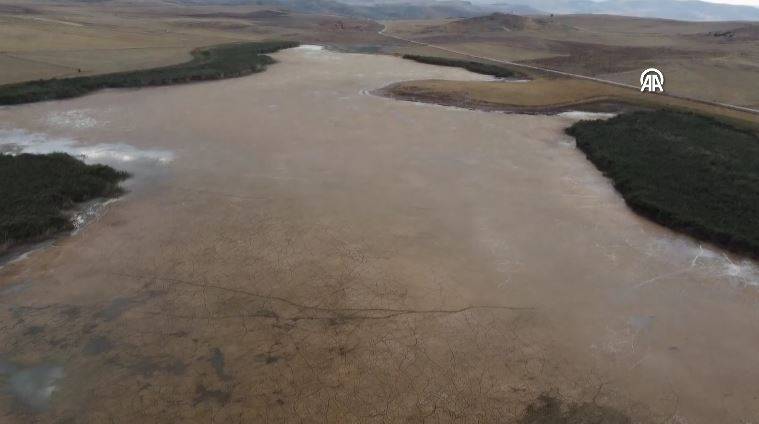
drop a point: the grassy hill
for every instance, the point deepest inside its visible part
(494, 22)
(219, 62)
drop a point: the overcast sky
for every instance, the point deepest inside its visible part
(748, 2)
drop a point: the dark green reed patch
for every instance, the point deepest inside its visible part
(476, 67)
(212, 63)
(36, 190)
(691, 173)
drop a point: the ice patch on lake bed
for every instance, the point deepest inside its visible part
(310, 47)
(512, 80)
(33, 385)
(88, 213)
(690, 254)
(312, 51)
(584, 116)
(17, 141)
(77, 119)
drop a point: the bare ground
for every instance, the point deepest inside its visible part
(317, 254)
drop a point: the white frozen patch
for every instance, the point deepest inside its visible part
(35, 385)
(78, 119)
(20, 141)
(744, 272)
(738, 271)
(512, 80)
(90, 212)
(310, 47)
(579, 115)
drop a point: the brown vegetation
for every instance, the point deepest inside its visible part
(691, 54)
(545, 95)
(51, 41)
(496, 22)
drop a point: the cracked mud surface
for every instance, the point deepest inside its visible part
(316, 254)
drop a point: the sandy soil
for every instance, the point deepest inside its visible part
(312, 253)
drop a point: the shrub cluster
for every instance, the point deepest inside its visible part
(36, 190)
(476, 67)
(218, 62)
(688, 172)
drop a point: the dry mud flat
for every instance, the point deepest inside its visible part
(311, 253)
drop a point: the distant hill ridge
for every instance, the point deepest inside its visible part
(495, 22)
(413, 9)
(686, 10)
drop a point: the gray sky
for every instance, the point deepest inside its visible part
(747, 2)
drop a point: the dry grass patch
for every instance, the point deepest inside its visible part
(551, 95)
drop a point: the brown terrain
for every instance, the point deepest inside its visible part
(552, 95)
(712, 61)
(319, 254)
(55, 40)
(293, 248)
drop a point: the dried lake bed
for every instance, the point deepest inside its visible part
(293, 248)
